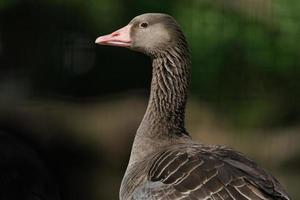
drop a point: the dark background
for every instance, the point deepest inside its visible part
(78, 105)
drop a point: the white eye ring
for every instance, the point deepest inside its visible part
(144, 25)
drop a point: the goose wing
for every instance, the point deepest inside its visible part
(210, 173)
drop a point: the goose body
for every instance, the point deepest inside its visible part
(165, 163)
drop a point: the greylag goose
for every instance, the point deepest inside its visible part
(165, 163)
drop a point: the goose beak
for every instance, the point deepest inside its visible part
(119, 38)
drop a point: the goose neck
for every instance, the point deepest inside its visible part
(170, 81)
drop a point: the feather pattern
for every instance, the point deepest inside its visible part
(195, 171)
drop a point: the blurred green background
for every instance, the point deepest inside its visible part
(79, 105)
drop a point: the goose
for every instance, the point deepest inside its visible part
(165, 163)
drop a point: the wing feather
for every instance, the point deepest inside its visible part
(215, 173)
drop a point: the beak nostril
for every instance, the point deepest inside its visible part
(116, 34)
(120, 37)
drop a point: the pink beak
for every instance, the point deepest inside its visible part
(120, 38)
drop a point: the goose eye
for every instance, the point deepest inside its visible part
(144, 25)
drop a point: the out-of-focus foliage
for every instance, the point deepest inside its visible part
(245, 67)
(246, 61)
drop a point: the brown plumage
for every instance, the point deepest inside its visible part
(165, 163)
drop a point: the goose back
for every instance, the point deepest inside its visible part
(195, 171)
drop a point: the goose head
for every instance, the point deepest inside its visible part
(150, 33)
